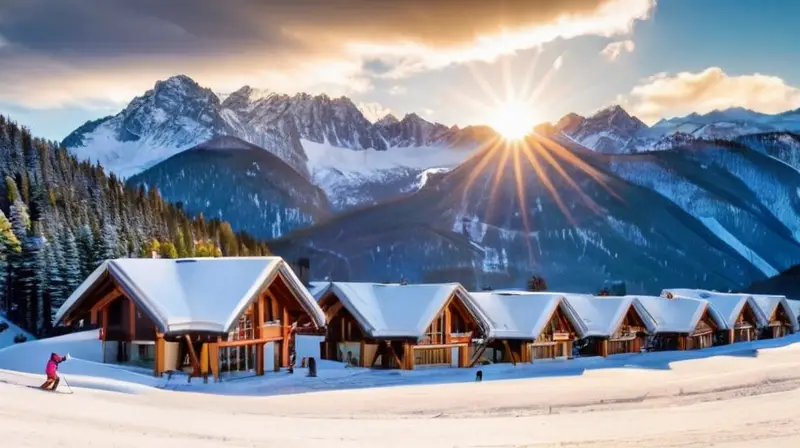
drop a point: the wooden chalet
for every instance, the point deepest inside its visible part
(611, 325)
(525, 326)
(779, 316)
(683, 323)
(399, 326)
(217, 315)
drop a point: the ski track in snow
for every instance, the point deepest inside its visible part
(750, 255)
(732, 396)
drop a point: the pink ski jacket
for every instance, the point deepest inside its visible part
(52, 364)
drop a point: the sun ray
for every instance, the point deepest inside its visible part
(519, 178)
(541, 149)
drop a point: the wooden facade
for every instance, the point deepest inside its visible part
(447, 340)
(706, 333)
(629, 337)
(779, 324)
(128, 335)
(554, 341)
(745, 327)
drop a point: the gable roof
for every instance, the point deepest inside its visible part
(400, 311)
(318, 289)
(678, 315)
(601, 316)
(521, 314)
(726, 306)
(196, 294)
(768, 304)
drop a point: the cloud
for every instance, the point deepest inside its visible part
(283, 45)
(614, 49)
(397, 90)
(373, 111)
(665, 95)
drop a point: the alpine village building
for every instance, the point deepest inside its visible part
(204, 315)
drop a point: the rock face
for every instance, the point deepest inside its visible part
(711, 215)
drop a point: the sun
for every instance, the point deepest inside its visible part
(513, 120)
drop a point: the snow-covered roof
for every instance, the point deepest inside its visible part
(400, 311)
(725, 306)
(678, 315)
(520, 314)
(602, 316)
(318, 289)
(197, 294)
(768, 303)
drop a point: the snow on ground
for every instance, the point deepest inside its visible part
(321, 156)
(736, 396)
(8, 335)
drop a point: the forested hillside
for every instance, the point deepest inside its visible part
(60, 218)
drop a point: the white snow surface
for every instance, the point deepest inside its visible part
(521, 314)
(198, 294)
(678, 315)
(394, 310)
(7, 336)
(726, 396)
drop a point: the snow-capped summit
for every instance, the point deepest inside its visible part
(387, 120)
(175, 113)
(609, 130)
(178, 114)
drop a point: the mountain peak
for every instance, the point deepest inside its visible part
(387, 120)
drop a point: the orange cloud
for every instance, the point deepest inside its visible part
(107, 49)
(665, 95)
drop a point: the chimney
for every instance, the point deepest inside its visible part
(302, 269)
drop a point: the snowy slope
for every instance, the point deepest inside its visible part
(8, 335)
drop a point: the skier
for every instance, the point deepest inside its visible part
(52, 371)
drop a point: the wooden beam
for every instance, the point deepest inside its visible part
(244, 342)
(204, 360)
(510, 352)
(332, 310)
(108, 298)
(193, 357)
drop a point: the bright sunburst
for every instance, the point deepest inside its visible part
(513, 120)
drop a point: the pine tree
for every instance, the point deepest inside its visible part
(8, 244)
(86, 254)
(70, 264)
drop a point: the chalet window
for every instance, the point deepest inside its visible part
(245, 329)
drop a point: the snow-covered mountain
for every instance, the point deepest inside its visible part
(314, 135)
(716, 215)
(613, 130)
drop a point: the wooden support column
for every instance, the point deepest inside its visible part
(603, 347)
(93, 316)
(463, 356)
(285, 333)
(131, 330)
(213, 358)
(204, 360)
(731, 336)
(408, 356)
(160, 362)
(258, 309)
(362, 354)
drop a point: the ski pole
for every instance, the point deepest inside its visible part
(67, 383)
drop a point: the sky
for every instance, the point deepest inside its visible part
(68, 61)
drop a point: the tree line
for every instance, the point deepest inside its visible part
(61, 217)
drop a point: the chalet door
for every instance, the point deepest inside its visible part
(454, 357)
